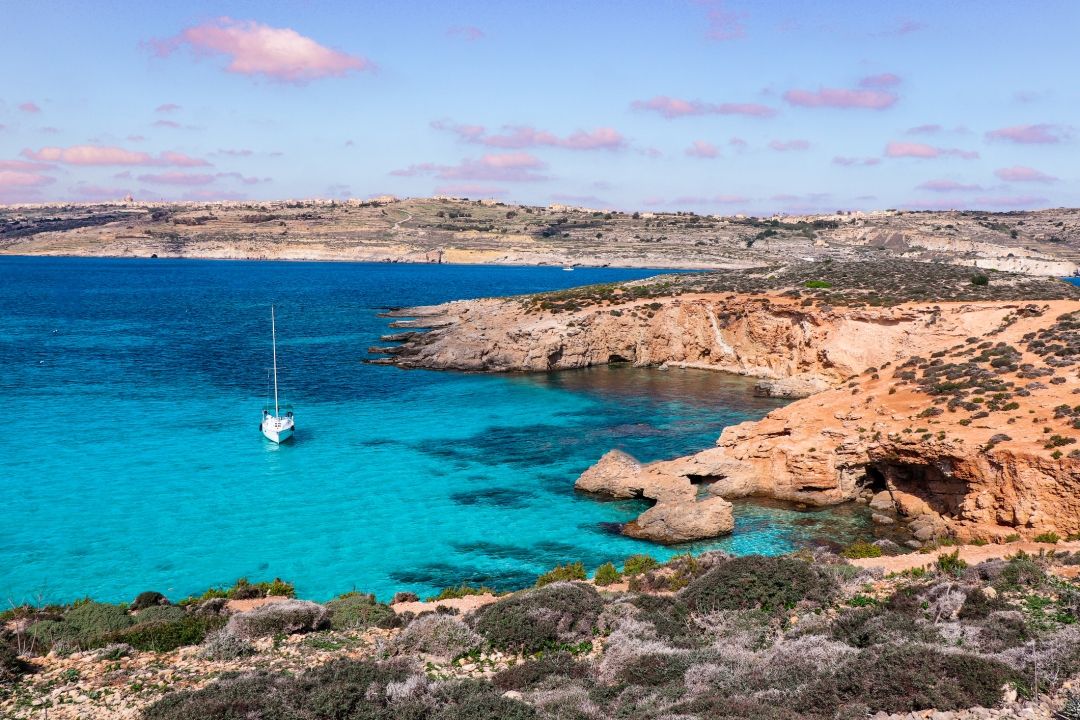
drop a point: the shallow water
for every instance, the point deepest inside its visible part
(132, 458)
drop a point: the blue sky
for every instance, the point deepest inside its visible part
(674, 104)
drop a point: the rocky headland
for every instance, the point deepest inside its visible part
(949, 400)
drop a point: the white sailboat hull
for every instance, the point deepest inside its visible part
(277, 429)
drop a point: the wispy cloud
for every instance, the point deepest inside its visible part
(517, 137)
(671, 107)
(1020, 173)
(107, 155)
(167, 108)
(930, 129)
(1038, 134)
(703, 150)
(943, 186)
(925, 152)
(722, 24)
(868, 96)
(468, 33)
(18, 179)
(177, 178)
(30, 107)
(789, 145)
(847, 161)
(501, 167)
(255, 49)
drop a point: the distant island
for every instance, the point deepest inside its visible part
(455, 230)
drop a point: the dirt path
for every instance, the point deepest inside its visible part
(972, 554)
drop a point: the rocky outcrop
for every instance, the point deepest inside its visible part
(676, 522)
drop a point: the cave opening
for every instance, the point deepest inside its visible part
(943, 492)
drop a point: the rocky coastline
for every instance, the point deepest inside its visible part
(955, 394)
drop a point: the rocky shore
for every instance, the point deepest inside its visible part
(953, 394)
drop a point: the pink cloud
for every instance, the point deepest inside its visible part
(105, 155)
(468, 33)
(924, 130)
(525, 136)
(947, 186)
(671, 107)
(738, 143)
(1020, 173)
(177, 178)
(723, 24)
(846, 161)
(29, 107)
(470, 190)
(256, 49)
(921, 150)
(166, 124)
(789, 145)
(502, 167)
(842, 98)
(1042, 133)
(702, 149)
(247, 180)
(15, 179)
(884, 80)
(167, 108)
(25, 166)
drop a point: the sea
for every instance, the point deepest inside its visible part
(131, 459)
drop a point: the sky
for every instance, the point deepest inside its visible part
(713, 106)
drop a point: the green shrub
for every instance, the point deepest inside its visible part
(148, 599)
(1020, 571)
(1012, 537)
(773, 584)
(867, 627)
(908, 678)
(168, 635)
(570, 571)
(980, 280)
(11, 665)
(950, 563)
(638, 564)
(817, 284)
(529, 674)
(159, 613)
(1003, 630)
(1048, 537)
(607, 574)
(861, 549)
(84, 626)
(539, 619)
(978, 605)
(357, 611)
(245, 590)
(655, 669)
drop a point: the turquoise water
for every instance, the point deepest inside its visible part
(131, 458)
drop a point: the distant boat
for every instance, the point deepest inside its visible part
(568, 268)
(277, 427)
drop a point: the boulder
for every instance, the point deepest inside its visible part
(883, 501)
(882, 519)
(616, 474)
(677, 522)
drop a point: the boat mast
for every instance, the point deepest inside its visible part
(273, 335)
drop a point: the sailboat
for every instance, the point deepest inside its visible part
(277, 427)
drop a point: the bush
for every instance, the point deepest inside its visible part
(861, 549)
(441, 635)
(560, 573)
(909, 678)
(167, 635)
(540, 619)
(1003, 630)
(980, 280)
(358, 611)
(148, 599)
(655, 669)
(607, 574)
(529, 674)
(978, 605)
(818, 284)
(867, 627)
(476, 700)
(1020, 571)
(755, 582)
(286, 617)
(1048, 537)
(404, 597)
(638, 564)
(223, 645)
(11, 665)
(950, 563)
(670, 618)
(460, 591)
(159, 613)
(82, 627)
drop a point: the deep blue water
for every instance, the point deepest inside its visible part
(131, 458)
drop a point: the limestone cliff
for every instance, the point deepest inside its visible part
(965, 413)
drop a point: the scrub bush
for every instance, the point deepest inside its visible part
(606, 575)
(357, 611)
(559, 573)
(223, 645)
(167, 635)
(542, 618)
(637, 564)
(529, 674)
(755, 582)
(159, 613)
(287, 617)
(441, 635)
(148, 599)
